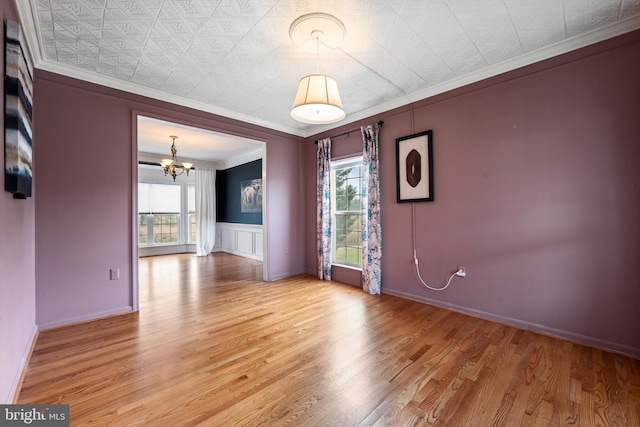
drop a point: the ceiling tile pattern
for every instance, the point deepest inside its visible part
(234, 57)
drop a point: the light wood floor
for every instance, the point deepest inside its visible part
(214, 345)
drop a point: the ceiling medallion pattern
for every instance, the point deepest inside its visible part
(235, 57)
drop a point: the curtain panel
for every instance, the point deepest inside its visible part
(323, 217)
(205, 210)
(372, 227)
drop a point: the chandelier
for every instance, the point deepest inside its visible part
(171, 166)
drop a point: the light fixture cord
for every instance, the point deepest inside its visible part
(317, 55)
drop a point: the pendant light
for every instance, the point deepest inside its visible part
(317, 100)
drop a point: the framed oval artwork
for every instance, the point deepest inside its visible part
(414, 167)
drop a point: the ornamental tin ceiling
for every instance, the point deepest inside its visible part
(235, 58)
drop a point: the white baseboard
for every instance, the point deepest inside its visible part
(633, 352)
(144, 251)
(85, 318)
(242, 254)
(24, 361)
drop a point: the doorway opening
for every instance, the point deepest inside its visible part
(166, 223)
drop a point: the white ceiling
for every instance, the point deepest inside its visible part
(235, 58)
(193, 143)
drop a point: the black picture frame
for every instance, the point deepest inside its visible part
(414, 168)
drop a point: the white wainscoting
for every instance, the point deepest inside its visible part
(239, 239)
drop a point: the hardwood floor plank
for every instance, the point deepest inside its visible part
(214, 345)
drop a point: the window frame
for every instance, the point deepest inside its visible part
(348, 162)
(181, 217)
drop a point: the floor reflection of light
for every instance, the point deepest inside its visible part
(160, 280)
(194, 279)
(350, 343)
(173, 290)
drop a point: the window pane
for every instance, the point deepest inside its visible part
(165, 198)
(165, 229)
(341, 177)
(144, 194)
(192, 198)
(143, 230)
(353, 237)
(192, 227)
(158, 198)
(355, 205)
(354, 256)
(354, 186)
(352, 222)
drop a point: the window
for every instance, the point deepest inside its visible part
(158, 214)
(346, 208)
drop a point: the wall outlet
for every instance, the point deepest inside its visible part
(462, 272)
(114, 274)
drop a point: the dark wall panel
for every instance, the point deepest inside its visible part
(228, 201)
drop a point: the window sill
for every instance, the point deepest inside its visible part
(347, 266)
(165, 249)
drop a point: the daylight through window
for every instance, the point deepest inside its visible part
(346, 208)
(158, 214)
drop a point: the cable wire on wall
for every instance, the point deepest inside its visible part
(415, 256)
(413, 236)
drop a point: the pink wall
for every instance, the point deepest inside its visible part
(17, 261)
(83, 209)
(537, 194)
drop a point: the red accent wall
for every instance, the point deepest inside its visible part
(537, 194)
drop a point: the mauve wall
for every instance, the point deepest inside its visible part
(84, 204)
(17, 261)
(537, 194)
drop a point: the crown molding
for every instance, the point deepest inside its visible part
(25, 10)
(242, 159)
(603, 33)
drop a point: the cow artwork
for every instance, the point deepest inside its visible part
(251, 196)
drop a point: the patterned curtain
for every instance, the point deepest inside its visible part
(323, 197)
(372, 227)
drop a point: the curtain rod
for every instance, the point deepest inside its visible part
(142, 162)
(348, 132)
